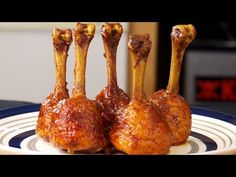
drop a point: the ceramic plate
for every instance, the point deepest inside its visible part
(212, 133)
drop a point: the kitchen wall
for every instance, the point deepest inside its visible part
(27, 67)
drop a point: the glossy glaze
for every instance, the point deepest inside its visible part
(62, 40)
(175, 108)
(77, 121)
(139, 128)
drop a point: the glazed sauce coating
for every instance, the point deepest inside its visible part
(175, 108)
(112, 103)
(140, 128)
(78, 126)
(176, 112)
(77, 122)
(62, 40)
(112, 99)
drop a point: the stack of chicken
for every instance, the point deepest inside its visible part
(142, 125)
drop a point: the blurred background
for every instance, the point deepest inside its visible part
(27, 65)
(208, 72)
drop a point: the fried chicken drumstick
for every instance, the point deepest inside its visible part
(139, 128)
(62, 40)
(78, 125)
(112, 99)
(174, 107)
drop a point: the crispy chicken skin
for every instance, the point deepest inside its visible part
(139, 128)
(176, 112)
(175, 108)
(77, 122)
(78, 126)
(62, 40)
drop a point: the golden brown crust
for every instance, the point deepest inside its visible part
(78, 126)
(176, 112)
(140, 130)
(44, 118)
(112, 103)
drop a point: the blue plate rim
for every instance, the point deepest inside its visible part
(4, 113)
(214, 114)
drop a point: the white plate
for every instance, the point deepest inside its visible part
(212, 133)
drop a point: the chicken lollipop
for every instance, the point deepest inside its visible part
(77, 122)
(139, 128)
(174, 107)
(62, 40)
(112, 99)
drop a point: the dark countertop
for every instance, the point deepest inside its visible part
(227, 108)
